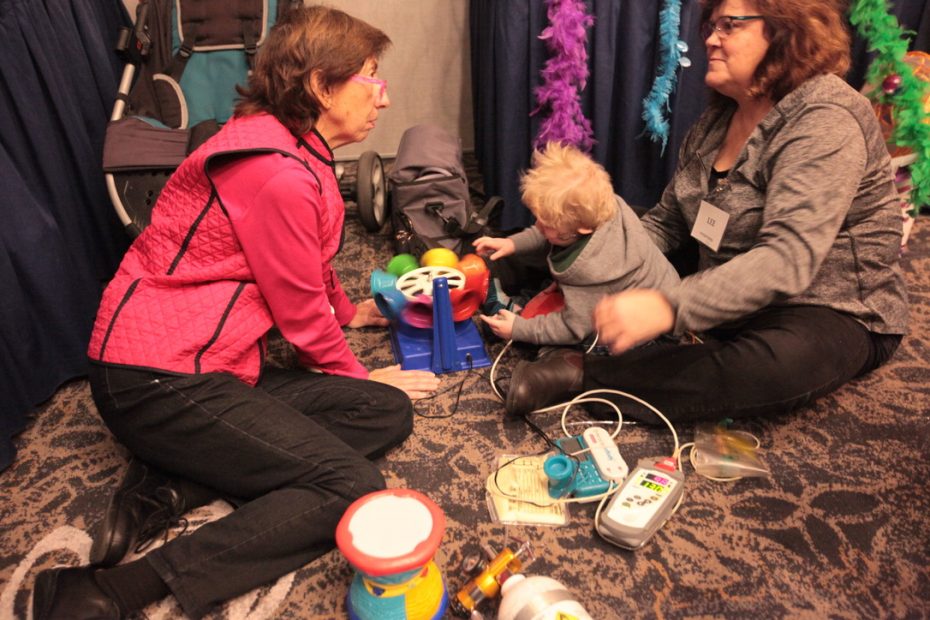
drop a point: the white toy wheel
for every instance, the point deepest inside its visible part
(420, 280)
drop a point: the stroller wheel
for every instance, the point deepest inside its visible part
(371, 191)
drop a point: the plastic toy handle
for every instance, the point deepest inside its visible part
(391, 303)
(389, 300)
(477, 276)
(560, 470)
(465, 302)
(440, 257)
(418, 313)
(401, 264)
(444, 344)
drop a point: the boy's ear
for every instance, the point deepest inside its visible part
(585, 231)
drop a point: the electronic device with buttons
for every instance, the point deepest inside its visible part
(588, 466)
(643, 504)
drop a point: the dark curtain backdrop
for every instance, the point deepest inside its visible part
(507, 57)
(60, 238)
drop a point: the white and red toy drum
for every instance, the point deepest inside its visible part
(390, 537)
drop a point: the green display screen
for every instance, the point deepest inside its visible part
(658, 488)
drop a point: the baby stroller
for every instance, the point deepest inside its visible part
(183, 61)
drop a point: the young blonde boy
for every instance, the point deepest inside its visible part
(597, 246)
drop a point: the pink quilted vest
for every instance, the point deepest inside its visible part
(183, 299)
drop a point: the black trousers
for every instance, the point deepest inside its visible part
(772, 362)
(293, 451)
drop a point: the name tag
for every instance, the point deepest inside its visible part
(709, 225)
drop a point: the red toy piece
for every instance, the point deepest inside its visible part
(548, 300)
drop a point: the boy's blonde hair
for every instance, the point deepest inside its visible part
(568, 190)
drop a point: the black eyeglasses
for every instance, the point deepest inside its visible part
(724, 25)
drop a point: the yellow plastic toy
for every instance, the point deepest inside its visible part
(439, 257)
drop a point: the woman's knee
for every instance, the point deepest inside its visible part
(404, 419)
(349, 478)
(395, 411)
(367, 478)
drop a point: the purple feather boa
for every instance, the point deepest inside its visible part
(564, 75)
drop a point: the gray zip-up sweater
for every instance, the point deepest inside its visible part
(618, 256)
(814, 218)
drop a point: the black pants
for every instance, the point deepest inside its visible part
(294, 450)
(772, 362)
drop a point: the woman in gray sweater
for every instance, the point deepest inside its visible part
(785, 182)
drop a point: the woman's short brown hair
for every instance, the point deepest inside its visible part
(806, 38)
(307, 40)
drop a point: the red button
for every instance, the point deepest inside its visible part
(666, 464)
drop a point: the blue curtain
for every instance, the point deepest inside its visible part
(623, 48)
(60, 238)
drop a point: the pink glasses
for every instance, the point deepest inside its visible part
(382, 84)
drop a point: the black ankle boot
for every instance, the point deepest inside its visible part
(145, 505)
(71, 594)
(548, 381)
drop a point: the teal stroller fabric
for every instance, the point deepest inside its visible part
(184, 61)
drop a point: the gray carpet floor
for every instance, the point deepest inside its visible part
(840, 528)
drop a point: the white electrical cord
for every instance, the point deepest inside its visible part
(494, 370)
(586, 397)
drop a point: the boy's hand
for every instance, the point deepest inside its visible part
(496, 247)
(501, 323)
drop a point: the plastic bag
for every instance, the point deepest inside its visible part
(720, 452)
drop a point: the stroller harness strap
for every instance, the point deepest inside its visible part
(211, 25)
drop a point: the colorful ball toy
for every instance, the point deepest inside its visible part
(405, 291)
(430, 308)
(390, 537)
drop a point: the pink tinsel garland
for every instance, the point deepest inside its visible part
(564, 75)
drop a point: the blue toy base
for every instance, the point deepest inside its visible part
(413, 348)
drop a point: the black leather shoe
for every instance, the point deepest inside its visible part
(547, 381)
(144, 506)
(72, 594)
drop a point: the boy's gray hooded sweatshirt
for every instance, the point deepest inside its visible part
(620, 255)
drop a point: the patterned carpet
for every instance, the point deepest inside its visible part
(841, 528)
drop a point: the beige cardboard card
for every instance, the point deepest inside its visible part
(709, 226)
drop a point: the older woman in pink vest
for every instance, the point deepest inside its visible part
(241, 241)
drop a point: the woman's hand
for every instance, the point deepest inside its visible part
(501, 323)
(368, 315)
(415, 383)
(634, 316)
(496, 247)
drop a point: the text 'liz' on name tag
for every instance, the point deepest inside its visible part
(709, 225)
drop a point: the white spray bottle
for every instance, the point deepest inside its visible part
(537, 598)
